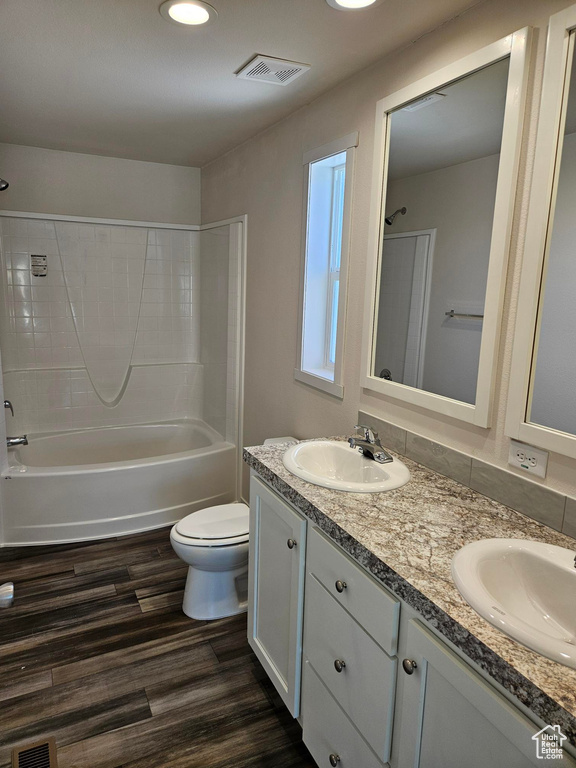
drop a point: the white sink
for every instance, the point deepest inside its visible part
(527, 589)
(333, 464)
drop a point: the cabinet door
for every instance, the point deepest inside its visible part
(451, 717)
(276, 590)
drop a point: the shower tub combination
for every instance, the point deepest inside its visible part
(110, 481)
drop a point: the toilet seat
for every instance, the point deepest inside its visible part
(218, 526)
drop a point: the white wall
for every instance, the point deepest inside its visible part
(263, 178)
(553, 398)
(458, 202)
(69, 183)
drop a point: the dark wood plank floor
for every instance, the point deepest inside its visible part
(97, 653)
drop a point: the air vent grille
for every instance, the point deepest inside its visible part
(41, 754)
(270, 70)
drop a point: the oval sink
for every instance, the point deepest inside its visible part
(333, 464)
(524, 588)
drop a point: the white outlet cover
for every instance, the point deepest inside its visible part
(534, 461)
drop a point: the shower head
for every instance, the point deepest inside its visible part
(390, 219)
(3, 185)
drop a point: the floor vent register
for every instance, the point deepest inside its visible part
(41, 754)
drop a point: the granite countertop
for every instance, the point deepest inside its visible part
(407, 539)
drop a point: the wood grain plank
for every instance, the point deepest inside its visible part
(105, 686)
(166, 731)
(162, 600)
(259, 742)
(128, 558)
(28, 682)
(44, 604)
(177, 571)
(81, 723)
(71, 582)
(187, 633)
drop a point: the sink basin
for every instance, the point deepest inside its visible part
(524, 588)
(333, 464)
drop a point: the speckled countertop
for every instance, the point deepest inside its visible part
(407, 539)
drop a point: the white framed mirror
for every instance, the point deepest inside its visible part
(542, 398)
(445, 173)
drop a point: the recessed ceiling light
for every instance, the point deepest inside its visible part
(352, 5)
(191, 13)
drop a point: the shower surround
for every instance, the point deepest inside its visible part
(131, 325)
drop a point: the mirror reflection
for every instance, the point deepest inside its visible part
(553, 399)
(440, 190)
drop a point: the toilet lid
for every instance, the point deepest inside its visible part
(226, 521)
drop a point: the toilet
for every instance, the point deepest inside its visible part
(213, 542)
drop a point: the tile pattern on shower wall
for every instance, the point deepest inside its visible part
(37, 331)
(54, 400)
(169, 323)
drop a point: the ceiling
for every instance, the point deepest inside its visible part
(111, 77)
(464, 125)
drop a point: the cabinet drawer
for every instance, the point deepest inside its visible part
(368, 602)
(365, 687)
(327, 731)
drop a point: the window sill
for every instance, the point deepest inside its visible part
(319, 382)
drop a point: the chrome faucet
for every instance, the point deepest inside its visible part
(370, 445)
(12, 441)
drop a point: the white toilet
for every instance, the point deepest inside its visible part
(214, 544)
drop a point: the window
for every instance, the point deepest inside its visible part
(328, 189)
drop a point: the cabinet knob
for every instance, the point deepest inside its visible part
(340, 586)
(409, 665)
(291, 543)
(339, 665)
(334, 759)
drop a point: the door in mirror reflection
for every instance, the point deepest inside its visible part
(442, 173)
(552, 400)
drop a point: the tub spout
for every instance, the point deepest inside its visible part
(12, 441)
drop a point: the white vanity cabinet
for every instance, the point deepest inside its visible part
(452, 717)
(350, 642)
(276, 589)
(379, 687)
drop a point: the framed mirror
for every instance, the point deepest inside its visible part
(542, 399)
(445, 171)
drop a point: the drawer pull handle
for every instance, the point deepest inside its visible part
(339, 665)
(291, 543)
(408, 665)
(340, 586)
(334, 759)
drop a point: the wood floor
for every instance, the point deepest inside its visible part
(97, 653)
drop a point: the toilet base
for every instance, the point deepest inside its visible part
(215, 594)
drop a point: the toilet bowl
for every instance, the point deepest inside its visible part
(213, 542)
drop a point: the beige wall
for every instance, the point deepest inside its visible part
(263, 178)
(69, 183)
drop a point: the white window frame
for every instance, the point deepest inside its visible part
(332, 382)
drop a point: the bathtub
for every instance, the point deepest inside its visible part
(96, 483)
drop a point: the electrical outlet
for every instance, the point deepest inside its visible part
(528, 458)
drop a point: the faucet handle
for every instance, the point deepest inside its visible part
(369, 434)
(8, 404)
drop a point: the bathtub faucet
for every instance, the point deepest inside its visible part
(12, 441)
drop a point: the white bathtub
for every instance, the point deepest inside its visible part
(95, 483)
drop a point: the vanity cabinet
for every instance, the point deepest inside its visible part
(276, 589)
(379, 687)
(450, 716)
(350, 642)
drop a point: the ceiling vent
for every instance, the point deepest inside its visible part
(269, 70)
